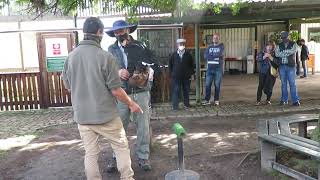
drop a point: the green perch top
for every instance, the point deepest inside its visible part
(178, 130)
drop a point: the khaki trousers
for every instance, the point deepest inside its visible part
(113, 131)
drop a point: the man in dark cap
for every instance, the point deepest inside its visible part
(91, 75)
(286, 52)
(131, 55)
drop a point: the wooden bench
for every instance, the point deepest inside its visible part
(276, 132)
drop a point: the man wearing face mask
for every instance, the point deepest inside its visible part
(91, 75)
(286, 52)
(214, 57)
(181, 69)
(129, 54)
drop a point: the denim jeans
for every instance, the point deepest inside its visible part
(297, 66)
(288, 74)
(177, 84)
(142, 122)
(304, 66)
(214, 73)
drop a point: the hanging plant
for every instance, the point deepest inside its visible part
(295, 36)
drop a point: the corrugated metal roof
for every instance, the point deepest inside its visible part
(235, 1)
(293, 2)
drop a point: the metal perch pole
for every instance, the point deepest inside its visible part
(181, 173)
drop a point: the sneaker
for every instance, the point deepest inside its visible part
(175, 109)
(296, 103)
(258, 103)
(268, 102)
(302, 76)
(144, 164)
(216, 103)
(282, 103)
(112, 166)
(205, 103)
(186, 106)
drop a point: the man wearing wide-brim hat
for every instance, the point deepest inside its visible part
(131, 56)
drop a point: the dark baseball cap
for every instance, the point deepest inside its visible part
(284, 34)
(92, 25)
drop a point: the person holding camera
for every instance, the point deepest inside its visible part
(267, 79)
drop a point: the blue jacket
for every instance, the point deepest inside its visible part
(264, 64)
(214, 54)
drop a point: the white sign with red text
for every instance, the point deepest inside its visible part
(56, 53)
(56, 47)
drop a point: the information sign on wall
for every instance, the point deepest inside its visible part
(56, 53)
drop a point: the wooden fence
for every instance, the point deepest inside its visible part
(20, 91)
(23, 91)
(58, 95)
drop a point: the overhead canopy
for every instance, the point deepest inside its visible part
(254, 12)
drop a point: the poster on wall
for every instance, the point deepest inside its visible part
(56, 53)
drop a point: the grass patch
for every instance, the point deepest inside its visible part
(3, 154)
(307, 166)
(298, 162)
(279, 176)
(315, 134)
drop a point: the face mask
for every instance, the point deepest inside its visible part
(181, 48)
(123, 37)
(285, 40)
(99, 38)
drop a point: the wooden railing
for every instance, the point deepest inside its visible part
(20, 91)
(58, 95)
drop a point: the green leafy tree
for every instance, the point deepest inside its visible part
(177, 7)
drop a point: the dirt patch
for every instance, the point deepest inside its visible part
(219, 147)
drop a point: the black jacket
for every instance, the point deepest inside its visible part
(304, 53)
(136, 53)
(292, 57)
(181, 68)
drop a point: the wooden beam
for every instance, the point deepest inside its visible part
(21, 47)
(197, 59)
(302, 21)
(301, 3)
(227, 19)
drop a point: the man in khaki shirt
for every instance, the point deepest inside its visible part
(91, 75)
